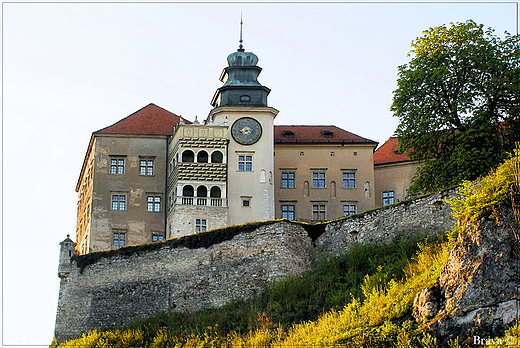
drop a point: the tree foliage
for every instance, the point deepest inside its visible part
(458, 103)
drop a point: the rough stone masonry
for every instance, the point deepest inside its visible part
(120, 287)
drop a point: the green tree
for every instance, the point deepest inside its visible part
(458, 103)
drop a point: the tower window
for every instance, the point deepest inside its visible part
(245, 99)
(216, 157)
(202, 156)
(188, 156)
(245, 163)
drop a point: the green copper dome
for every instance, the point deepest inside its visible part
(241, 58)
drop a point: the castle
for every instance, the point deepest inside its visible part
(154, 175)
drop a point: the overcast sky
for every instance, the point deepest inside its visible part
(70, 69)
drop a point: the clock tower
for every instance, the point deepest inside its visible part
(241, 104)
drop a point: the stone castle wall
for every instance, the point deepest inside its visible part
(121, 286)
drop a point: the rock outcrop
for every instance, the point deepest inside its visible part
(480, 282)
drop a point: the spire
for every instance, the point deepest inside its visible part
(241, 47)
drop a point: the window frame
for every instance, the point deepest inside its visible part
(318, 181)
(387, 197)
(155, 203)
(245, 163)
(319, 211)
(288, 181)
(349, 182)
(146, 166)
(349, 210)
(201, 225)
(120, 201)
(116, 243)
(119, 165)
(287, 212)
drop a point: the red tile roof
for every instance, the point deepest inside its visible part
(388, 153)
(317, 135)
(150, 120)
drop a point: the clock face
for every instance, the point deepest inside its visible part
(246, 131)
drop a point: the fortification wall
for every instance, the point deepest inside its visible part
(120, 289)
(429, 215)
(207, 270)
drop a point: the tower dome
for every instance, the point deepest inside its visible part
(240, 77)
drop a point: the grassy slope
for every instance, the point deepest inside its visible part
(361, 299)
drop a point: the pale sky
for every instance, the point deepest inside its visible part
(70, 69)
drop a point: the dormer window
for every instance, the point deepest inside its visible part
(288, 133)
(397, 151)
(327, 133)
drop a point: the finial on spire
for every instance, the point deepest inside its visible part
(241, 47)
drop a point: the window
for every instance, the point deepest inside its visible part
(327, 133)
(318, 212)
(318, 180)
(119, 238)
(188, 156)
(157, 237)
(117, 166)
(245, 98)
(288, 211)
(146, 167)
(288, 133)
(200, 225)
(349, 209)
(216, 157)
(202, 157)
(388, 197)
(246, 202)
(245, 163)
(288, 180)
(154, 203)
(349, 180)
(118, 202)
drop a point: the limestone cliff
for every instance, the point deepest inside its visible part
(479, 285)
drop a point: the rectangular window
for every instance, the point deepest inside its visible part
(246, 202)
(119, 238)
(200, 225)
(154, 203)
(146, 167)
(157, 237)
(318, 212)
(288, 180)
(349, 180)
(245, 163)
(349, 209)
(288, 211)
(318, 180)
(388, 197)
(118, 202)
(117, 166)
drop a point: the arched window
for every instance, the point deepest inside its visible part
(215, 192)
(187, 191)
(202, 156)
(216, 157)
(188, 156)
(202, 191)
